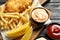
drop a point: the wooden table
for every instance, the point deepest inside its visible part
(36, 33)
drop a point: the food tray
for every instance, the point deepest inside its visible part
(37, 30)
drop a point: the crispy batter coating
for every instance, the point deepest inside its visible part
(17, 5)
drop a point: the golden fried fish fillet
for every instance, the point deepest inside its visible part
(17, 5)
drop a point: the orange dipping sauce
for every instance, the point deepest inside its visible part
(39, 15)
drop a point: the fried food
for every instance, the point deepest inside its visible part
(17, 5)
(11, 20)
(27, 34)
(17, 32)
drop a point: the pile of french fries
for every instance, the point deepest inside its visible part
(12, 20)
(15, 20)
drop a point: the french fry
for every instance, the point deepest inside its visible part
(1, 14)
(13, 16)
(10, 21)
(7, 18)
(1, 22)
(15, 20)
(14, 13)
(5, 26)
(8, 28)
(11, 26)
(27, 34)
(2, 28)
(14, 25)
(2, 7)
(4, 20)
(19, 24)
(23, 18)
(27, 17)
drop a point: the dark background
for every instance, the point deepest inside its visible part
(3, 0)
(54, 6)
